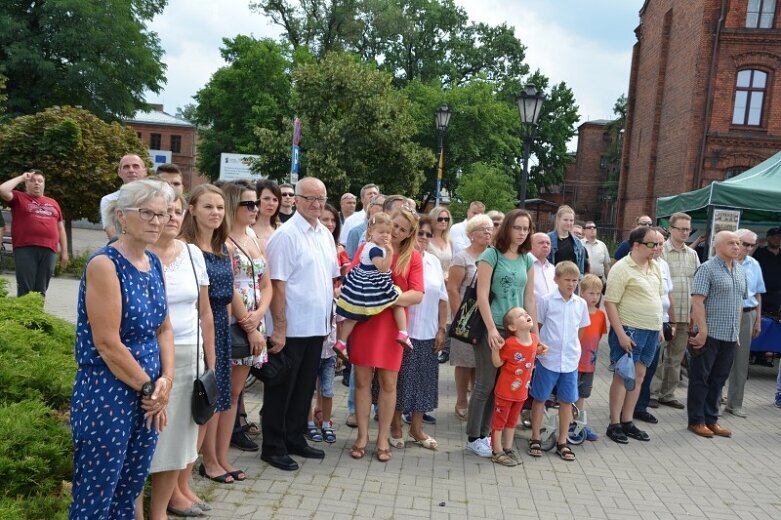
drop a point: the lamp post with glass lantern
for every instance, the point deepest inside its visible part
(441, 119)
(530, 102)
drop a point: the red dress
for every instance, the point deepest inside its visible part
(373, 342)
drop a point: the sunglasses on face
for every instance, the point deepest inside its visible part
(288, 194)
(443, 219)
(250, 204)
(590, 227)
(681, 229)
(427, 234)
(748, 245)
(645, 224)
(652, 245)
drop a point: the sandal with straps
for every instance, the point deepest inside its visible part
(535, 448)
(564, 452)
(384, 455)
(357, 452)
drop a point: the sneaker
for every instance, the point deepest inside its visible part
(591, 435)
(239, 440)
(479, 448)
(616, 434)
(630, 430)
(503, 459)
(514, 455)
(443, 357)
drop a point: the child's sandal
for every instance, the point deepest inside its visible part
(564, 452)
(535, 448)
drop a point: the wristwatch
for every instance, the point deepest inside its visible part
(147, 388)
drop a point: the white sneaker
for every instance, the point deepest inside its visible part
(480, 448)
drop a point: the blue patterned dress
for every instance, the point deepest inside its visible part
(220, 274)
(112, 446)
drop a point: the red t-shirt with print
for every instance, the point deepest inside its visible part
(515, 373)
(35, 221)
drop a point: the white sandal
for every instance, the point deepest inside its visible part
(430, 443)
(396, 442)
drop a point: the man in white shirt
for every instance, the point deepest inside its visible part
(367, 192)
(598, 255)
(458, 231)
(131, 168)
(544, 271)
(303, 268)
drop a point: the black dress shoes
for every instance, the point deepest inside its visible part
(282, 462)
(307, 452)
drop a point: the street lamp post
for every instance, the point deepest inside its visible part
(530, 102)
(441, 119)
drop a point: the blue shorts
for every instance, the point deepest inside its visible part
(646, 345)
(326, 376)
(545, 380)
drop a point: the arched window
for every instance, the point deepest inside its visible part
(760, 14)
(749, 97)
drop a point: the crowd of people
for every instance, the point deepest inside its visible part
(372, 292)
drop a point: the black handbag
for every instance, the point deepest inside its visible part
(274, 371)
(468, 325)
(240, 347)
(204, 399)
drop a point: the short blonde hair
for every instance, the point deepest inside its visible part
(566, 268)
(591, 281)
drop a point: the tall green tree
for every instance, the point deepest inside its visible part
(77, 151)
(251, 92)
(97, 54)
(356, 128)
(488, 183)
(3, 95)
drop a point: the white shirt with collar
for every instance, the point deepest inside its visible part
(349, 223)
(423, 322)
(544, 272)
(561, 321)
(458, 237)
(304, 257)
(104, 202)
(598, 256)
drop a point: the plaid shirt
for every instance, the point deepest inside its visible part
(683, 263)
(724, 292)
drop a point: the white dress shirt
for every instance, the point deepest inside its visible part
(104, 202)
(349, 223)
(424, 317)
(304, 257)
(543, 279)
(598, 255)
(561, 321)
(458, 237)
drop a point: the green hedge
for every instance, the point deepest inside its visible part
(37, 370)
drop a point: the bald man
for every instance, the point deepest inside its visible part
(131, 168)
(303, 269)
(543, 270)
(718, 293)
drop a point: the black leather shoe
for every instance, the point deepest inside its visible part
(240, 441)
(307, 452)
(646, 417)
(282, 462)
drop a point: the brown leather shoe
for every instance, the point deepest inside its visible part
(701, 430)
(719, 430)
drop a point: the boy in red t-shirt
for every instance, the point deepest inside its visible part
(515, 359)
(591, 291)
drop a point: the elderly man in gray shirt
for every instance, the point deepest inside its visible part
(717, 305)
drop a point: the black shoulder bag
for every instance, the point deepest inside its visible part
(204, 399)
(468, 325)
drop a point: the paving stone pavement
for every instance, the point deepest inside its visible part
(674, 476)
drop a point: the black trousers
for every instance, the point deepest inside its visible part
(286, 406)
(707, 374)
(34, 267)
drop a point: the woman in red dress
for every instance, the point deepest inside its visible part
(373, 342)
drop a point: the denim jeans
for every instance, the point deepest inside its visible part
(645, 388)
(707, 374)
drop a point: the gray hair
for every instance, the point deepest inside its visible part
(743, 232)
(136, 193)
(495, 213)
(478, 221)
(368, 187)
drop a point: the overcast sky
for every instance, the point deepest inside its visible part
(585, 43)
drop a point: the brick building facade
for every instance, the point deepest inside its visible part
(159, 130)
(703, 100)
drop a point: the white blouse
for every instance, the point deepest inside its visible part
(182, 292)
(424, 317)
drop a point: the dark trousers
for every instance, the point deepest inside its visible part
(34, 267)
(707, 374)
(645, 388)
(286, 406)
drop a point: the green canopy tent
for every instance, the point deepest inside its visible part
(756, 192)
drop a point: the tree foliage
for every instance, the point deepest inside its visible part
(76, 151)
(487, 183)
(3, 95)
(97, 54)
(356, 128)
(250, 93)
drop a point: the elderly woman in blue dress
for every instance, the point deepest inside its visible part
(125, 355)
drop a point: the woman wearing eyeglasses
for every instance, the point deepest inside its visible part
(125, 355)
(440, 244)
(633, 303)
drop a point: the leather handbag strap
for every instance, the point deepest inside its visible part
(198, 309)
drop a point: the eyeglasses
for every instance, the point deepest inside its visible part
(250, 204)
(427, 234)
(443, 219)
(147, 215)
(681, 229)
(746, 244)
(482, 230)
(589, 227)
(310, 199)
(645, 224)
(288, 194)
(652, 245)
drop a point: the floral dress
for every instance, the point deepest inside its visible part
(243, 270)
(220, 295)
